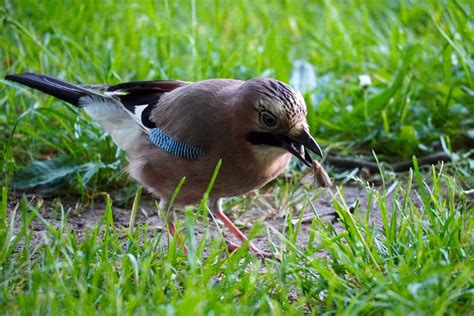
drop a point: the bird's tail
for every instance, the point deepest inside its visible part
(106, 110)
(55, 87)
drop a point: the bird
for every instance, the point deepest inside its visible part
(170, 129)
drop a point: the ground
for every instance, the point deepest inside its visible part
(409, 253)
(82, 218)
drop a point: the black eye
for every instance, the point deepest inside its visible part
(268, 119)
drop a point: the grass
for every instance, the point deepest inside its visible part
(419, 57)
(418, 261)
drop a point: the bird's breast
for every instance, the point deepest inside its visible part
(244, 168)
(252, 169)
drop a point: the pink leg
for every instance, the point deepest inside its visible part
(172, 230)
(236, 231)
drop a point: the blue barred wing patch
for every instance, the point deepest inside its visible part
(161, 140)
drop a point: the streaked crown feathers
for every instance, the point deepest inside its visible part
(281, 100)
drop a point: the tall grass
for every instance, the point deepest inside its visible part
(418, 259)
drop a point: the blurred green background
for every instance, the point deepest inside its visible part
(418, 55)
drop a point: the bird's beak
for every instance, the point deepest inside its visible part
(298, 145)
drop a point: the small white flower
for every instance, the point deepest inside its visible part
(365, 80)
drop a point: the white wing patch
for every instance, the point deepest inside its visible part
(137, 116)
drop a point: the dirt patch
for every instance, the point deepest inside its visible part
(83, 218)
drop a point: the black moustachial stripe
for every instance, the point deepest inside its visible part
(259, 138)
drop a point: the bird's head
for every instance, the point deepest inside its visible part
(276, 115)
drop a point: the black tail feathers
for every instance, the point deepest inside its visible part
(52, 86)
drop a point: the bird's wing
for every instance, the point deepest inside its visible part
(139, 100)
(148, 86)
(198, 114)
(139, 97)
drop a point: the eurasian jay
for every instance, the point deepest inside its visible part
(175, 129)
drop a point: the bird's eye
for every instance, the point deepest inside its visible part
(268, 119)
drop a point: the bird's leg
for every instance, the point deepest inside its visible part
(170, 218)
(236, 231)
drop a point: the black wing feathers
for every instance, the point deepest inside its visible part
(132, 100)
(140, 97)
(153, 85)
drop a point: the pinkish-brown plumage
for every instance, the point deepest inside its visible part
(217, 108)
(175, 129)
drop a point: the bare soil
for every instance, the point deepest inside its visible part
(82, 218)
